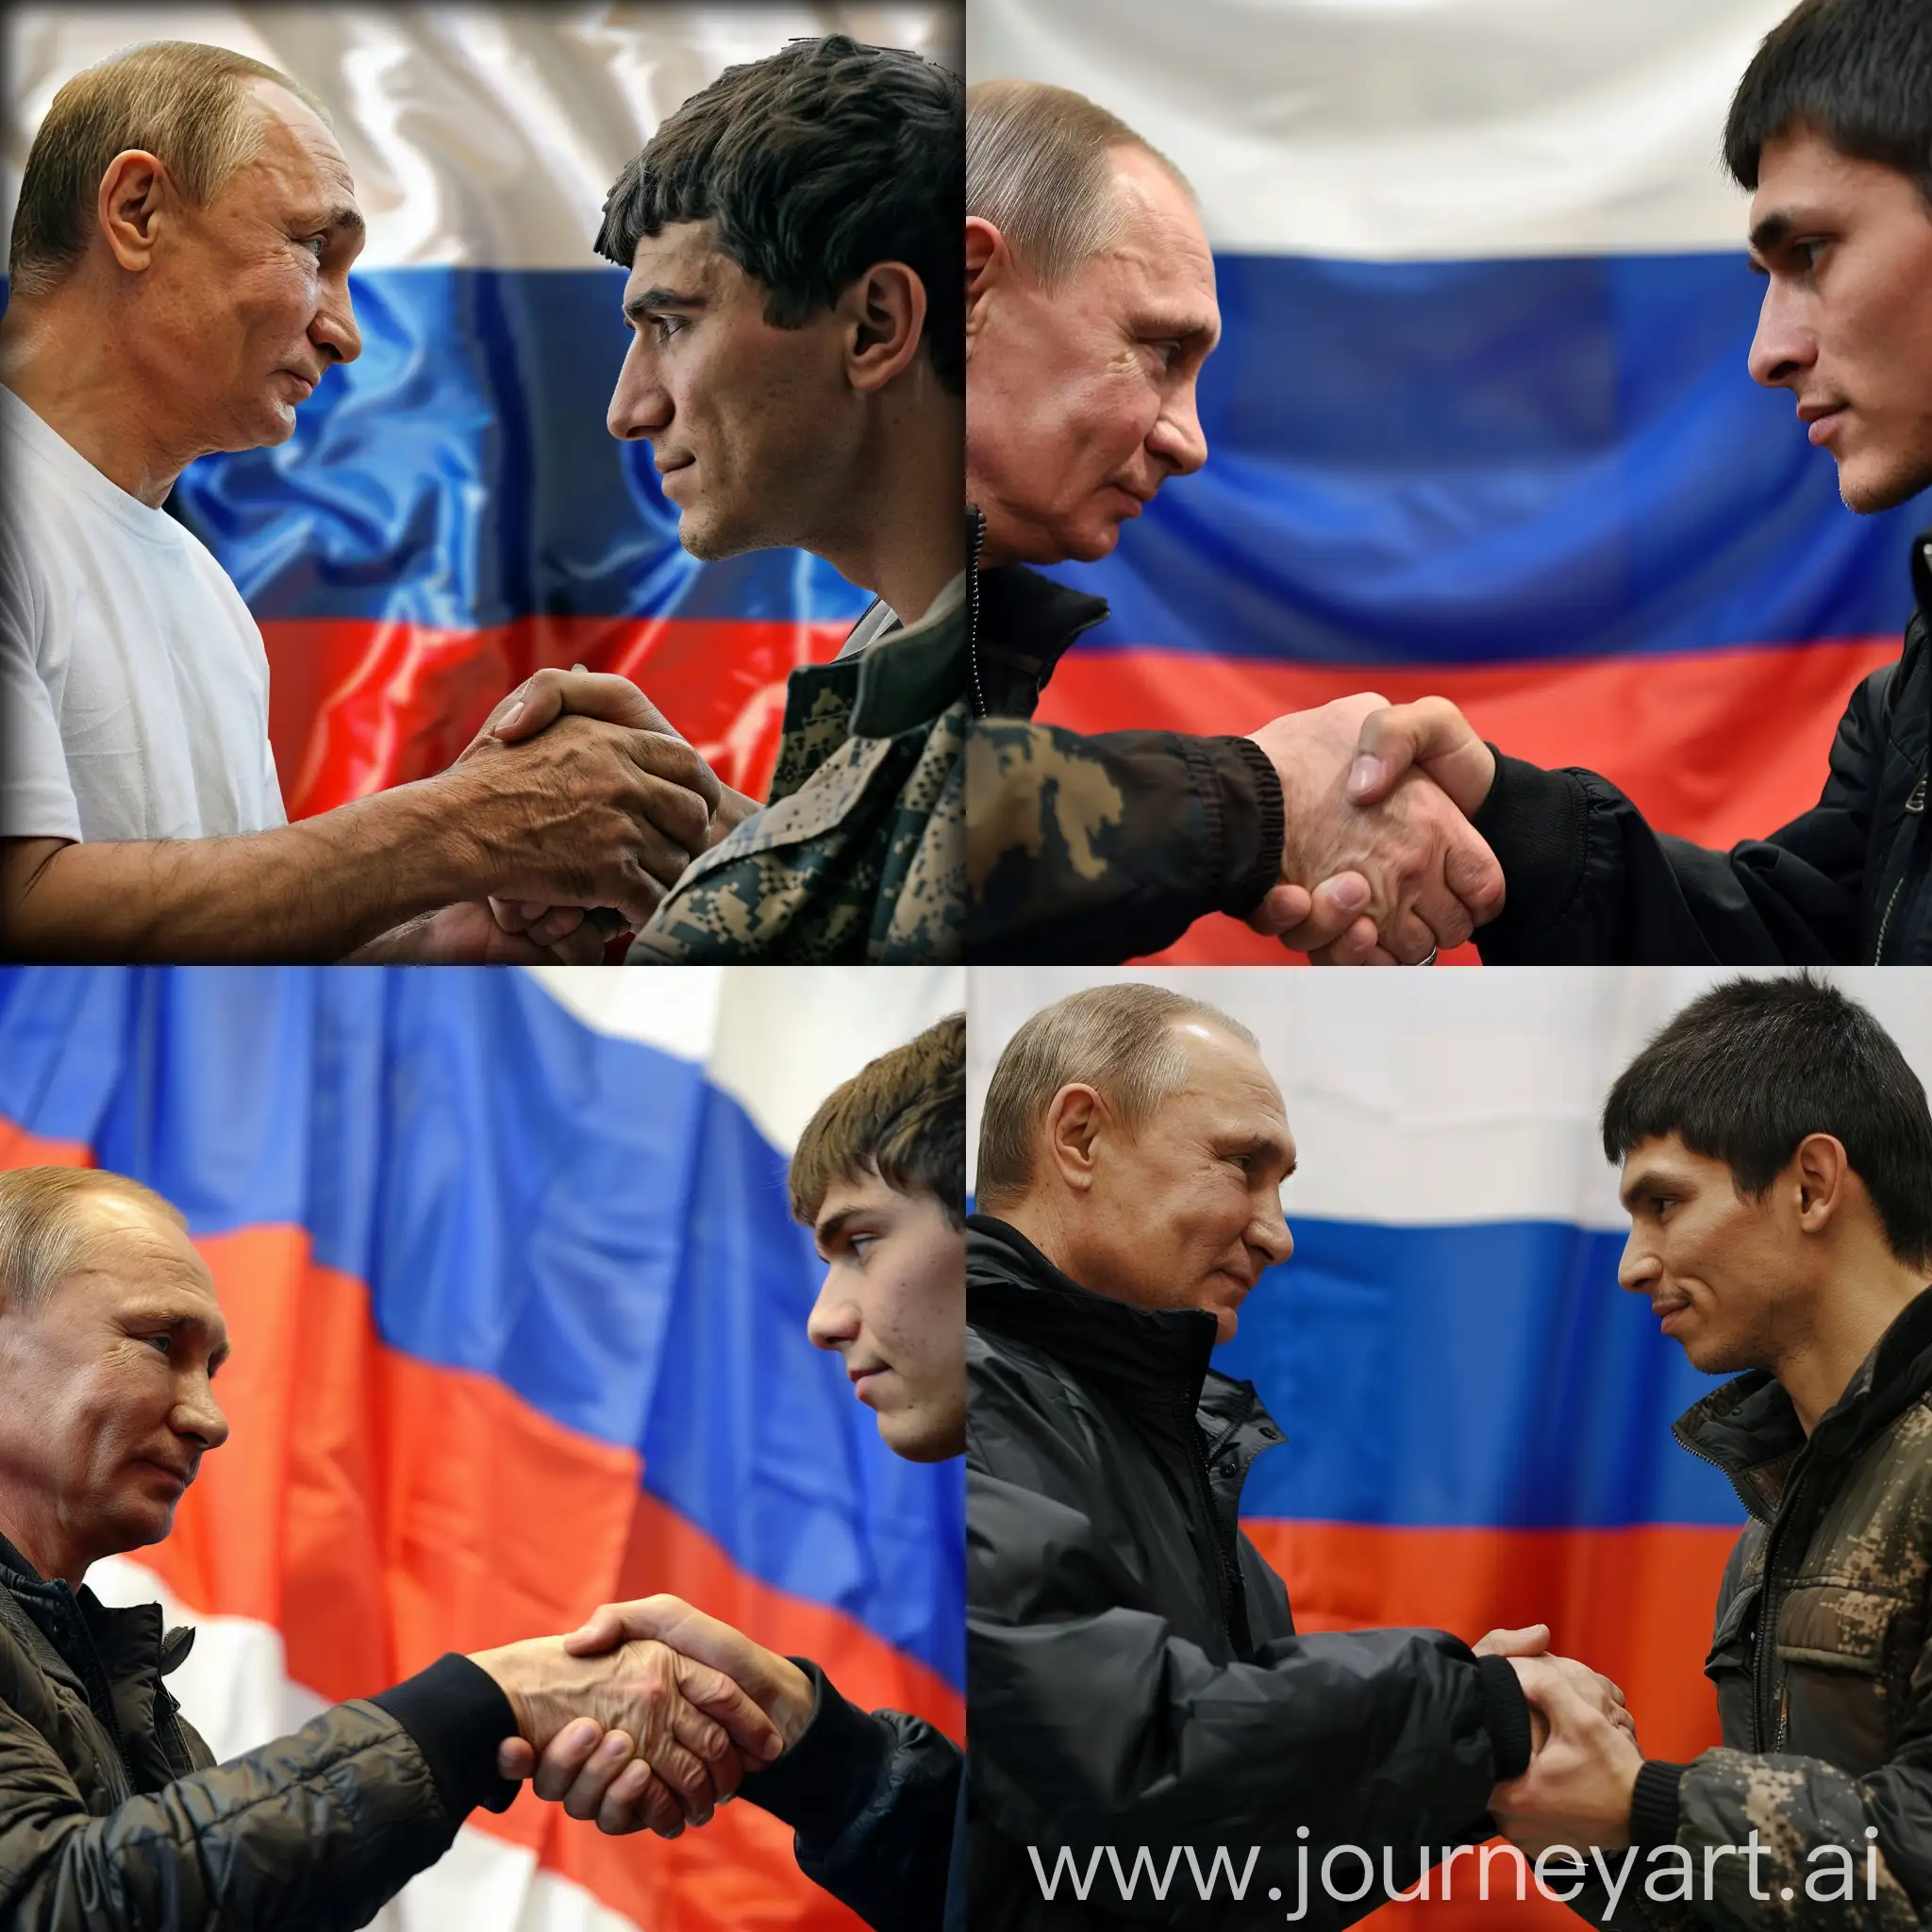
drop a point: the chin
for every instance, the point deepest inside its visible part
(1869, 486)
(1090, 547)
(921, 1438)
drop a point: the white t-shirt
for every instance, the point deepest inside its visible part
(133, 681)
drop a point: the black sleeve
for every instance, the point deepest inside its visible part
(1590, 882)
(1096, 1724)
(1098, 849)
(870, 1798)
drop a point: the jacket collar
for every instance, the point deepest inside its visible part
(1022, 625)
(1750, 1429)
(1155, 1354)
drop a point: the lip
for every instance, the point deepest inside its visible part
(180, 1479)
(307, 382)
(1667, 1313)
(1820, 420)
(1137, 500)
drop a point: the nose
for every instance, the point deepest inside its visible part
(334, 331)
(834, 1318)
(1784, 347)
(639, 404)
(1638, 1267)
(1269, 1233)
(1178, 437)
(199, 1416)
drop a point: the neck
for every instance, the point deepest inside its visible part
(1865, 1294)
(66, 363)
(902, 535)
(35, 1533)
(1045, 1227)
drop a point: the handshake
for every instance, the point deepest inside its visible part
(1380, 865)
(648, 1717)
(1583, 1760)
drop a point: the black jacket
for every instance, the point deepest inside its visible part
(113, 1818)
(1134, 1677)
(873, 1800)
(1849, 881)
(1094, 848)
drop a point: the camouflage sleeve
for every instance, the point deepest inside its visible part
(1102, 848)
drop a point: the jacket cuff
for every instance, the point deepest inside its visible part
(458, 1714)
(1505, 1713)
(1655, 1807)
(1253, 817)
(1534, 821)
(830, 1770)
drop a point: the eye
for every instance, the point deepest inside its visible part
(665, 326)
(164, 1343)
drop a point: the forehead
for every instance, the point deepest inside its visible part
(1226, 1083)
(299, 155)
(130, 1252)
(1800, 171)
(1665, 1158)
(1161, 256)
(683, 257)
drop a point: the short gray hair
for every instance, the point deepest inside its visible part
(1039, 168)
(187, 105)
(1119, 1040)
(45, 1229)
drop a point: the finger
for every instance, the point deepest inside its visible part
(636, 894)
(622, 1811)
(1445, 915)
(1409, 939)
(565, 1756)
(1335, 907)
(660, 1809)
(1471, 871)
(684, 1772)
(583, 947)
(585, 1797)
(541, 700)
(605, 1628)
(558, 923)
(513, 915)
(676, 807)
(1431, 732)
(1360, 946)
(515, 1760)
(1532, 1640)
(720, 1696)
(1281, 907)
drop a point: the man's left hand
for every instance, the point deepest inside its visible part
(1580, 1781)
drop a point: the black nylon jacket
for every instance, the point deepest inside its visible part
(872, 1798)
(113, 1818)
(1821, 1660)
(1848, 882)
(1134, 1675)
(1099, 847)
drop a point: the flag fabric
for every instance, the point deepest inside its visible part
(518, 1310)
(1480, 422)
(1477, 1418)
(451, 513)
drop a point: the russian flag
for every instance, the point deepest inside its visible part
(1480, 423)
(450, 514)
(1478, 1418)
(518, 1310)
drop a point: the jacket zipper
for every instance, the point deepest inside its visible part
(1765, 1650)
(1915, 805)
(1204, 1489)
(972, 616)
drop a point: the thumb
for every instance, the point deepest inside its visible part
(1430, 734)
(1533, 1640)
(603, 1629)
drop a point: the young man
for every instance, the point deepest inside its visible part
(1776, 1155)
(1831, 127)
(872, 1797)
(792, 238)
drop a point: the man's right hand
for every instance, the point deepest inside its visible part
(692, 1724)
(587, 813)
(1431, 879)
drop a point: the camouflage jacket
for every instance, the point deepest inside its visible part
(1823, 1663)
(856, 857)
(1095, 848)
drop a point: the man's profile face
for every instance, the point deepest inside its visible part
(1186, 1212)
(749, 423)
(893, 1303)
(1080, 399)
(1722, 1272)
(1846, 248)
(106, 1403)
(253, 308)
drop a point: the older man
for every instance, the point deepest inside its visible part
(871, 1797)
(1089, 310)
(112, 1812)
(1137, 1679)
(180, 263)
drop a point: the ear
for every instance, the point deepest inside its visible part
(989, 261)
(886, 307)
(1822, 1174)
(137, 195)
(1076, 1119)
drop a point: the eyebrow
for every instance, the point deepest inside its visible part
(161, 1318)
(1179, 328)
(659, 298)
